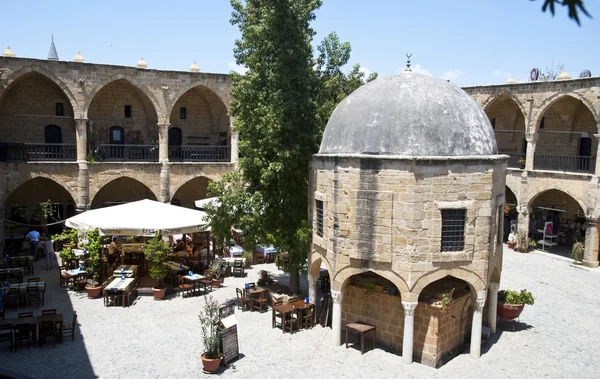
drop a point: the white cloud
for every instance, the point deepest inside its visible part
(420, 70)
(451, 75)
(237, 68)
(365, 70)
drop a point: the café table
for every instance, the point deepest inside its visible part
(236, 250)
(57, 318)
(128, 270)
(176, 268)
(120, 285)
(196, 281)
(78, 253)
(253, 293)
(75, 272)
(267, 251)
(287, 310)
(23, 262)
(230, 261)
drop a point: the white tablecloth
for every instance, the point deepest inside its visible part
(231, 260)
(76, 272)
(194, 277)
(267, 249)
(119, 284)
(78, 252)
(236, 250)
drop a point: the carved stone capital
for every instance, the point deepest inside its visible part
(493, 287)
(409, 307)
(336, 296)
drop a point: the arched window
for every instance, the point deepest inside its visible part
(52, 134)
(175, 136)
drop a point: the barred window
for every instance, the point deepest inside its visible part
(60, 109)
(319, 212)
(128, 111)
(182, 113)
(453, 229)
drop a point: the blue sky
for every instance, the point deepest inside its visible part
(469, 42)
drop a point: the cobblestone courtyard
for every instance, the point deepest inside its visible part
(557, 337)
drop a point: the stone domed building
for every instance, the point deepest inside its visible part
(407, 204)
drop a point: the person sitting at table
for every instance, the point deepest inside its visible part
(179, 246)
(113, 249)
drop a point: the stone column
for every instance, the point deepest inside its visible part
(476, 326)
(523, 220)
(590, 255)
(234, 147)
(409, 325)
(312, 287)
(336, 318)
(493, 289)
(165, 182)
(597, 169)
(82, 200)
(163, 142)
(531, 141)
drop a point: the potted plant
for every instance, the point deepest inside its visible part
(69, 238)
(247, 255)
(511, 303)
(217, 272)
(92, 247)
(577, 252)
(157, 253)
(523, 243)
(211, 335)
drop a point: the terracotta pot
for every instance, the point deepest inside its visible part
(210, 365)
(509, 311)
(93, 292)
(216, 283)
(511, 245)
(159, 293)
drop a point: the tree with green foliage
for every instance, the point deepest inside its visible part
(574, 7)
(334, 84)
(157, 253)
(276, 115)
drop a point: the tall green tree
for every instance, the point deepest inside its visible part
(334, 84)
(574, 7)
(276, 115)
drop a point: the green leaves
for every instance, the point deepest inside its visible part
(157, 252)
(574, 6)
(515, 298)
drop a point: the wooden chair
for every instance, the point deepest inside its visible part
(238, 267)
(23, 332)
(48, 330)
(260, 302)
(69, 329)
(34, 295)
(6, 335)
(276, 315)
(65, 279)
(308, 317)
(243, 301)
(183, 287)
(258, 257)
(11, 299)
(48, 312)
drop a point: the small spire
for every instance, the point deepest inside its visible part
(511, 80)
(564, 75)
(52, 54)
(408, 55)
(194, 67)
(78, 58)
(8, 52)
(142, 63)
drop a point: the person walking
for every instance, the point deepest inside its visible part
(34, 238)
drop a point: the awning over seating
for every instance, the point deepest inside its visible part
(140, 218)
(204, 202)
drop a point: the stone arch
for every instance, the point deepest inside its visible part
(548, 102)
(532, 199)
(136, 190)
(12, 79)
(158, 107)
(14, 186)
(473, 280)
(187, 190)
(512, 193)
(204, 84)
(341, 277)
(504, 93)
(315, 258)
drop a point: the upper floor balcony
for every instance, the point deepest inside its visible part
(552, 162)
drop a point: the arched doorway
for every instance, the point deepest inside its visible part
(565, 141)
(200, 127)
(188, 193)
(121, 190)
(375, 300)
(35, 111)
(566, 218)
(509, 126)
(443, 318)
(24, 208)
(511, 213)
(122, 114)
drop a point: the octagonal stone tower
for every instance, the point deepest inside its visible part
(407, 205)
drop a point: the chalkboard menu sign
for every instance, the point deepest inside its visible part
(229, 340)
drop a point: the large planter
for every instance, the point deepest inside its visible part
(159, 293)
(511, 245)
(210, 365)
(509, 311)
(93, 291)
(216, 283)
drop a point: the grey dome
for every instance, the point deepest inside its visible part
(409, 114)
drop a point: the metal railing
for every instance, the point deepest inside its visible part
(564, 163)
(127, 153)
(513, 161)
(25, 152)
(200, 153)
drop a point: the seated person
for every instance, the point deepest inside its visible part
(179, 246)
(113, 248)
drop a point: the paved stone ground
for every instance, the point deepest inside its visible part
(558, 337)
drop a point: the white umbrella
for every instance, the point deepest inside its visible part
(204, 202)
(140, 218)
